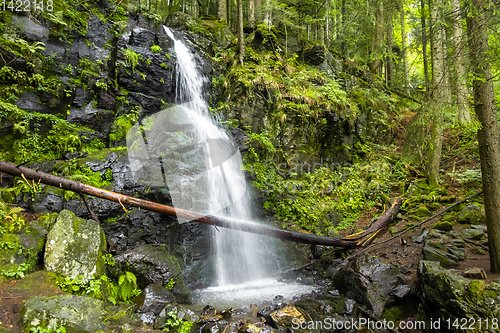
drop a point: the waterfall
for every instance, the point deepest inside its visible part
(240, 257)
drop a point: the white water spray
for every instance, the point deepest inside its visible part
(240, 257)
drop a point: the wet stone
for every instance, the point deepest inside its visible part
(153, 299)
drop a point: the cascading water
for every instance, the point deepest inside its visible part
(239, 255)
(185, 149)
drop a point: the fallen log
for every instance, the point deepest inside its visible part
(223, 222)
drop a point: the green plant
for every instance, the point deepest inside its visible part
(156, 49)
(10, 220)
(48, 329)
(103, 287)
(15, 273)
(108, 259)
(131, 58)
(175, 324)
(170, 284)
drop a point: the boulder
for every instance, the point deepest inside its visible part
(178, 311)
(447, 295)
(22, 249)
(153, 299)
(434, 251)
(443, 225)
(476, 234)
(78, 314)
(287, 316)
(153, 265)
(369, 281)
(74, 247)
(471, 215)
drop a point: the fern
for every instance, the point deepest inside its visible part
(10, 219)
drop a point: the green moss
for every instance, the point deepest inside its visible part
(392, 314)
(122, 124)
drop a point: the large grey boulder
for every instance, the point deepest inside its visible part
(74, 247)
(78, 314)
(371, 282)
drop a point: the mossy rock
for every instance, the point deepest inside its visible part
(443, 225)
(75, 246)
(433, 206)
(471, 215)
(393, 313)
(421, 212)
(19, 249)
(449, 217)
(78, 314)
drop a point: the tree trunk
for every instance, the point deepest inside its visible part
(267, 13)
(438, 77)
(424, 47)
(343, 49)
(258, 10)
(406, 81)
(251, 13)
(389, 36)
(377, 51)
(222, 10)
(246, 226)
(326, 35)
(241, 36)
(489, 135)
(462, 100)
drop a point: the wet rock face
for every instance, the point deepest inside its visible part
(448, 295)
(77, 314)
(153, 299)
(314, 55)
(153, 265)
(74, 247)
(370, 282)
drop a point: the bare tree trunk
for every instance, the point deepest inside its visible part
(438, 77)
(267, 13)
(251, 13)
(462, 100)
(222, 10)
(377, 51)
(343, 49)
(389, 36)
(258, 10)
(406, 80)
(241, 36)
(424, 47)
(489, 135)
(326, 35)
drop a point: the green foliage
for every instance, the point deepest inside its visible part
(78, 171)
(17, 272)
(108, 259)
(48, 329)
(307, 194)
(156, 49)
(170, 284)
(37, 136)
(122, 124)
(125, 289)
(10, 220)
(48, 219)
(175, 324)
(131, 58)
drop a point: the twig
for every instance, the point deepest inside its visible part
(415, 226)
(94, 217)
